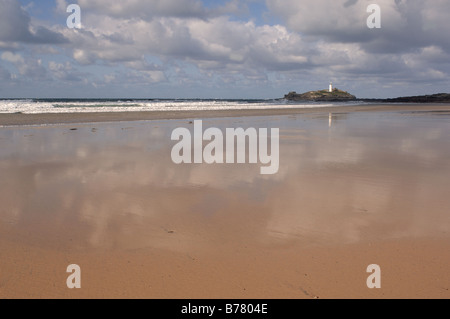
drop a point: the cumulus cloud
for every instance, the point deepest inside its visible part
(30, 68)
(314, 37)
(4, 74)
(406, 24)
(13, 58)
(213, 44)
(411, 45)
(143, 9)
(15, 26)
(182, 42)
(64, 72)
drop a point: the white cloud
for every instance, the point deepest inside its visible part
(12, 57)
(190, 43)
(63, 71)
(15, 26)
(216, 43)
(30, 68)
(144, 8)
(61, 6)
(4, 74)
(406, 24)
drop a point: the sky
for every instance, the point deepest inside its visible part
(251, 49)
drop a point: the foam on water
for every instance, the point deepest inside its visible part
(86, 106)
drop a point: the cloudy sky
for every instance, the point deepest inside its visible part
(222, 49)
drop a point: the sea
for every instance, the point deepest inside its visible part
(37, 106)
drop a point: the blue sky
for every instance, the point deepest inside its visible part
(222, 49)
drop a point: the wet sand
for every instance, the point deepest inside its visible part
(355, 187)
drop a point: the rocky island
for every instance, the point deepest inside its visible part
(335, 95)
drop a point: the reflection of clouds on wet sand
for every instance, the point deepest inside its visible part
(119, 194)
(116, 186)
(362, 183)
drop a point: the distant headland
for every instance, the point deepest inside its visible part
(434, 98)
(336, 95)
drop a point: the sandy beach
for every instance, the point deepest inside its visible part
(357, 185)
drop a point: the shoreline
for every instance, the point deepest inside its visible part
(15, 119)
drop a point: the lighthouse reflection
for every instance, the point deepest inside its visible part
(334, 117)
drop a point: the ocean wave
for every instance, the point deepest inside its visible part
(33, 106)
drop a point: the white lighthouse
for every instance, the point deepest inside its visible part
(331, 87)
